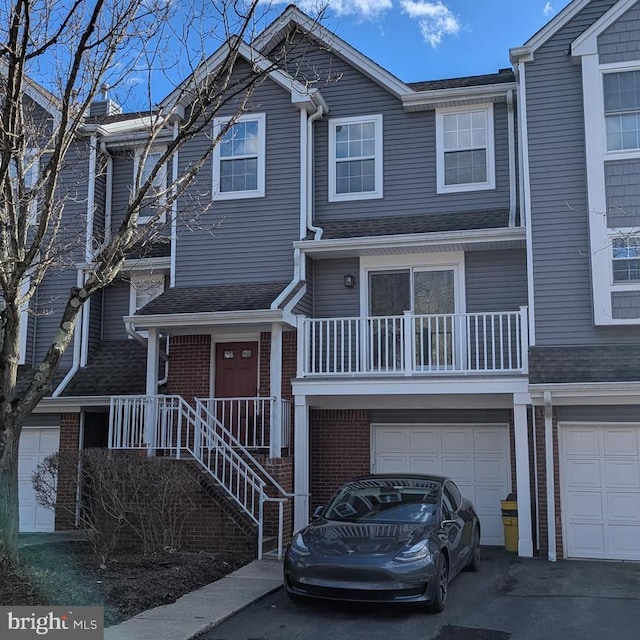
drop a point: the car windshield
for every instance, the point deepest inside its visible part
(386, 500)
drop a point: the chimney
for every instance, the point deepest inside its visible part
(102, 105)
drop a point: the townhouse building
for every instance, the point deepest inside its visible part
(376, 276)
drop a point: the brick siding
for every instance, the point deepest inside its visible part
(67, 480)
(189, 366)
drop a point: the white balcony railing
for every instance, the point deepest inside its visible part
(469, 343)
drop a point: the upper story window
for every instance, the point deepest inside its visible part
(355, 158)
(28, 172)
(156, 196)
(239, 158)
(626, 258)
(465, 149)
(144, 288)
(622, 110)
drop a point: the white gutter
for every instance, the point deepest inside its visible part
(512, 159)
(550, 472)
(174, 212)
(77, 344)
(525, 194)
(464, 237)
(430, 99)
(306, 202)
(205, 318)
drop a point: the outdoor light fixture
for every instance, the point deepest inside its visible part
(349, 281)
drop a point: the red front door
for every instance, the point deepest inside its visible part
(236, 370)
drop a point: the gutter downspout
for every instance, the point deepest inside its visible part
(525, 194)
(550, 472)
(512, 158)
(77, 345)
(306, 201)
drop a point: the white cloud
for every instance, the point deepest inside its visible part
(548, 9)
(434, 18)
(368, 9)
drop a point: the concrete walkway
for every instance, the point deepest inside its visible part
(201, 610)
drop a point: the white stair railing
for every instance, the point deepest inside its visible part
(170, 424)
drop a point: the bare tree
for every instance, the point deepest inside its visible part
(74, 47)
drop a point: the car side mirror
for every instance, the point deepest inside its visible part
(317, 512)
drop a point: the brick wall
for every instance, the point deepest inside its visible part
(67, 480)
(189, 366)
(340, 442)
(542, 483)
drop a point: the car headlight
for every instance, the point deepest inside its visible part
(299, 547)
(419, 551)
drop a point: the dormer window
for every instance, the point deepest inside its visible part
(622, 110)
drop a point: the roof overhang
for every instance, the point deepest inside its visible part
(203, 322)
(590, 393)
(475, 239)
(70, 404)
(457, 96)
(302, 97)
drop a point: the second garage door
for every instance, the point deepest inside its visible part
(475, 457)
(600, 477)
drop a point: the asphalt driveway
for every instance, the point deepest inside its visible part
(510, 598)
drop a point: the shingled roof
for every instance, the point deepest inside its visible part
(116, 367)
(231, 297)
(606, 363)
(503, 75)
(425, 223)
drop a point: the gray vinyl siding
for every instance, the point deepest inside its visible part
(621, 41)
(305, 306)
(331, 299)
(622, 185)
(43, 420)
(409, 153)
(95, 320)
(53, 293)
(440, 416)
(122, 182)
(114, 307)
(496, 280)
(244, 240)
(555, 121)
(606, 414)
(99, 199)
(625, 305)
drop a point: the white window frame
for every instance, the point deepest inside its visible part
(606, 69)
(377, 193)
(259, 191)
(160, 181)
(621, 285)
(151, 280)
(490, 182)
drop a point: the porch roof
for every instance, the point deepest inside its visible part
(252, 296)
(423, 223)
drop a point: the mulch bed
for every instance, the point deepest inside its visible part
(68, 574)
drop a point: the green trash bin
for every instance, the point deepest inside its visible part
(510, 522)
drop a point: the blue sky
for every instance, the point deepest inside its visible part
(434, 39)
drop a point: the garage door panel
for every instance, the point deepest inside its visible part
(488, 441)
(582, 441)
(485, 498)
(424, 464)
(621, 442)
(583, 473)
(622, 474)
(586, 505)
(423, 441)
(587, 540)
(389, 463)
(392, 440)
(623, 542)
(457, 440)
(492, 529)
(490, 469)
(459, 468)
(623, 507)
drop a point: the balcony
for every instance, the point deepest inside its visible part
(415, 345)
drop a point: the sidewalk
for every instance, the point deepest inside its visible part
(198, 611)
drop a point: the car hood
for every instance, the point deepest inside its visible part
(346, 538)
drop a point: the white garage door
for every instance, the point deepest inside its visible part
(476, 458)
(35, 445)
(600, 478)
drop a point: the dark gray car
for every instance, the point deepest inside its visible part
(386, 538)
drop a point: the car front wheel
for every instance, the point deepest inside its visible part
(441, 586)
(474, 556)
